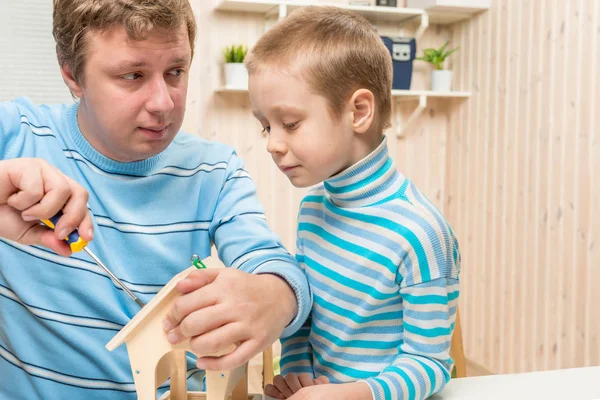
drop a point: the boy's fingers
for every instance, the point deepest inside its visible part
(272, 391)
(293, 382)
(306, 379)
(282, 385)
(322, 380)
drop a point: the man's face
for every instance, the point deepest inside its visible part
(133, 93)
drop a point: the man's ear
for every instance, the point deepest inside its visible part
(362, 104)
(70, 81)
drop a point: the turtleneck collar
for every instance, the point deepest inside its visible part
(370, 181)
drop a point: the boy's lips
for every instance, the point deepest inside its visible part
(284, 168)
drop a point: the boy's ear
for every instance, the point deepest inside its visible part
(362, 104)
(70, 81)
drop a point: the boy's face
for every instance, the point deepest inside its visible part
(306, 141)
(133, 93)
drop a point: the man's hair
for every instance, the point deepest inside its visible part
(73, 19)
(336, 51)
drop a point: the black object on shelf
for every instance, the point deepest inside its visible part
(387, 3)
(403, 52)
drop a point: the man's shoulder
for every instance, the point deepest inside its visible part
(198, 149)
(38, 114)
(26, 104)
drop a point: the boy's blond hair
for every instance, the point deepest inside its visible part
(72, 19)
(337, 51)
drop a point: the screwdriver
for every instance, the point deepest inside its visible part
(77, 243)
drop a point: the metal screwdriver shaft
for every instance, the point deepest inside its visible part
(113, 277)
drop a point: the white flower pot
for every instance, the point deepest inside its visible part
(236, 76)
(441, 80)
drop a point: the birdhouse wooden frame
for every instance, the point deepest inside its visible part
(154, 359)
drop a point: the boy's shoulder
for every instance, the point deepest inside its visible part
(413, 205)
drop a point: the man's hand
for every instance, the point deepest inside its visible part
(285, 387)
(31, 190)
(224, 307)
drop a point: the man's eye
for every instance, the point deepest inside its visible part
(176, 72)
(132, 76)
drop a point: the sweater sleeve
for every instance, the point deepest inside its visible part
(423, 365)
(244, 241)
(429, 288)
(296, 350)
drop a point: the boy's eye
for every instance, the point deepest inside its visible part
(133, 76)
(266, 130)
(291, 126)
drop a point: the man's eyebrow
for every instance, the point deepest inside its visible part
(180, 60)
(131, 65)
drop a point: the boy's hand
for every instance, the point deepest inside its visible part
(224, 307)
(346, 391)
(285, 387)
(31, 190)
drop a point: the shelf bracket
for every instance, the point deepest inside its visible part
(423, 26)
(282, 11)
(402, 129)
(275, 14)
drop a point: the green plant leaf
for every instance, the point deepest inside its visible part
(449, 52)
(441, 50)
(235, 54)
(436, 57)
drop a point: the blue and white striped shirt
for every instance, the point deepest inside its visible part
(150, 217)
(383, 266)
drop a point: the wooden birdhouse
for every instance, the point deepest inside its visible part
(154, 359)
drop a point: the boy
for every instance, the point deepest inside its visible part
(381, 260)
(156, 197)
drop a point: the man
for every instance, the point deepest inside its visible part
(155, 197)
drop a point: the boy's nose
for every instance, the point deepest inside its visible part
(276, 146)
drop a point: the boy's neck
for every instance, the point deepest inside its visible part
(371, 180)
(365, 145)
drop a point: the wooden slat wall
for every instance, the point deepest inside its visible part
(523, 184)
(514, 168)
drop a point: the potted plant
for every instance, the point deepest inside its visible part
(441, 79)
(236, 75)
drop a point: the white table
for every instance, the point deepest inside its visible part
(564, 384)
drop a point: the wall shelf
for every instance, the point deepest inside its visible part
(398, 95)
(281, 8)
(225, 89)
(421, 96)
(437, 15)
(415, 94)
